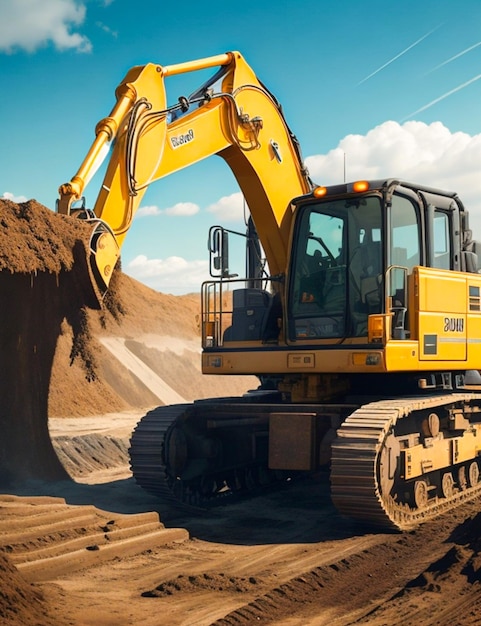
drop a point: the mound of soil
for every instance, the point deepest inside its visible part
(44, 279)
(130, 310)
(20, 601)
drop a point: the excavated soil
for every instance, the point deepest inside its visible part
(21, 602)
(82, 544)
(43, 272)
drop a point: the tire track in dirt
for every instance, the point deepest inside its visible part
(455, 577)
(350, 581)
(359, 589)
(284, 558)
(83, 454)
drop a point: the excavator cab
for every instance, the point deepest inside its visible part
(354, 250)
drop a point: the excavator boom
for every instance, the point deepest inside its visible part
(231, 115)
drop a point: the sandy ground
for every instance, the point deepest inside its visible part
(283, 558)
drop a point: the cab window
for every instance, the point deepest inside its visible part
(405, 248)
(441, 257)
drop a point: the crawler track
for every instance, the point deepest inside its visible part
(146, 451)
(195, 454)
(356, 489)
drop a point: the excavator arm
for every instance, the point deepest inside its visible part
(231, 115)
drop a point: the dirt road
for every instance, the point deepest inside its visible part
(284, 558)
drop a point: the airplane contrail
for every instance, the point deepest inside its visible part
(446, 95)
(456, 56)
(397, 56)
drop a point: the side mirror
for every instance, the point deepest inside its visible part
(219, 252)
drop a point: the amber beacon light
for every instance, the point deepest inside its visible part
(360, 185)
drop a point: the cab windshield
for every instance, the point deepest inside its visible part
(336, 276)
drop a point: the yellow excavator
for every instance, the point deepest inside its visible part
(360, 311)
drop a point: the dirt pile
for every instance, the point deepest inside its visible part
(160, 331)
(131, 310)
(44, 279)
(20, 601)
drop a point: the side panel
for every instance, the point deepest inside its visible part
(448, 318)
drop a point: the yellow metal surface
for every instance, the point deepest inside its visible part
(258, 360)
(241, 123)
(447, 318)
(106, 256)
(418, 460)
(441, 291)
(402, 356)
(300, 360)
(198, 64)
(439, 453)
(444, 328)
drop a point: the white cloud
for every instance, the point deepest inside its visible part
(182, 209)
(31, 24)
(145, 211)
(229, 208)
(9, 196)
(420, 153)
(171, 275)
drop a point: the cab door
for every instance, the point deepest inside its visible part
(442, 289)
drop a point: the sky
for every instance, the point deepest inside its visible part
(370, 88)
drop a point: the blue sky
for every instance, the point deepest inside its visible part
(391, 89)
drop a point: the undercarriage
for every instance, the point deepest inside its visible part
(393, 463)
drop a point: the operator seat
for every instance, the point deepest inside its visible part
(365, 267)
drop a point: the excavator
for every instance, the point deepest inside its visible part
(359, 311)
